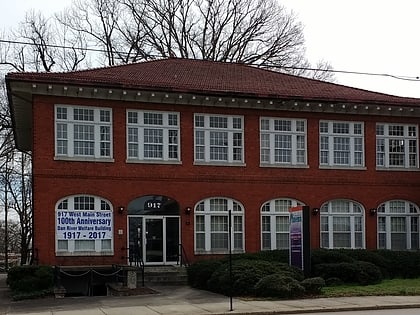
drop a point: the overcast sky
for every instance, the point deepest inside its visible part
(374, 36)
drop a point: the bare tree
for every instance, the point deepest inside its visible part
(257, 32)
(97, 21)
(20, 190)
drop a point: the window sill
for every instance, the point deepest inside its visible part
(218, 252)
(212, 163)
(84, 159)
(347, 168)
(397, 169)
(284, 166)
(133, 161)
(83, 253)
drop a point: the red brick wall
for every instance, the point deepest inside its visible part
(121, 182)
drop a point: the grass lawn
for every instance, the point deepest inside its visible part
(386, 287)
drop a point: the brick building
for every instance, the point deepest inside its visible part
(131, 161)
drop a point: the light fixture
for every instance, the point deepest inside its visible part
(120, 209)
(315, 211)
(187, 212)
(373, 211)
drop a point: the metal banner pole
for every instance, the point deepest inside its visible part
(230, 259)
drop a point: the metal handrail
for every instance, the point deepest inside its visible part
(182, 256)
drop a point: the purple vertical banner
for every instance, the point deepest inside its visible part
(296, 237)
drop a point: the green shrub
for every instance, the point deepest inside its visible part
(330, 282)
(329, 256)
(368, 273)
(371, 256)
(313, 285)
(280, 286)
(402, 264)
(279, 255)
(24, 280)
(200, 272)
(245, 274)
(359, 272)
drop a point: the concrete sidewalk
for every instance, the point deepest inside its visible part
(185, 300)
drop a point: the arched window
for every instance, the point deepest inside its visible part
(342, 224)
(212, 226)
(398, 225)
(84, 226)
(275, 223)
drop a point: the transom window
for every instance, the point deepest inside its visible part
(283, 141)
(153, 136)
(212, 226)
(341, 144)
(396, 146)
(83, 132)
(398, 225)
(84, 226)
(275, 223)
(218, 138)
(342, 223)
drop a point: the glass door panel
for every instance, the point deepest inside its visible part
(172, 239)
(154, 240)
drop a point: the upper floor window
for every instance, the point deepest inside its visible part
(84, 226)
(396, 146)
(398, 225)
(283, 141)
(341, 144)
(342, 223)
(83, 132)
(275, 223)
(218, 138)
(153, 136)
(212, 226)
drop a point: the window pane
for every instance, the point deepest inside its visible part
(398, 241)
(83, 114)
(218, 122)
(84, 245)
(61, 113)
(218, 204)
(282, 241)
(219, 235)
(106, 245)
(282, 224)
(62, 245)
(153, 119)
(132, 117)
(84, 137)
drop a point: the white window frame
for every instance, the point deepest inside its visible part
(327, 150)
(204, 135)
(385, 139)
(167, 129)
(218, 208)
(271, 211)
(293, 130)
(65, 130)
(409, 213)
(96, 246)
(348, 209)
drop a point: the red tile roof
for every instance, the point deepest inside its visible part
(208, 77)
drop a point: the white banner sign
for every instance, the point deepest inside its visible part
(83, 225)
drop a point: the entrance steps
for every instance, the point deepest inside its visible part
(163, 275)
